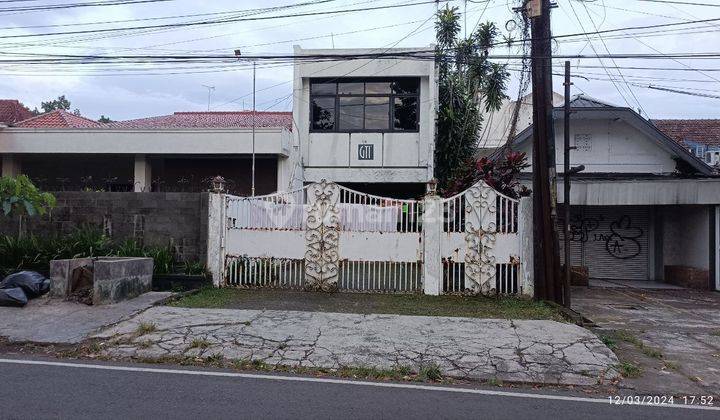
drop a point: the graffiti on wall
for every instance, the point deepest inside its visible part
(622, 240)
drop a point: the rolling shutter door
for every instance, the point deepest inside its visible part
(611, 241)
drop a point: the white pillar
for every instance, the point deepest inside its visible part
(432, 233)
(10, 165)
(143, 174)
(525, 236)
(216, 237)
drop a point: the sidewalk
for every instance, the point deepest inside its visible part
(467, 348)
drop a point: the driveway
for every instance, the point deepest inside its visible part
(672, 335)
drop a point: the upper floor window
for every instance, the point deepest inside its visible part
(374, 104)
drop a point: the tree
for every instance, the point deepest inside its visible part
(104, 119)
(467, 82)
(60, 103)
(19, 196)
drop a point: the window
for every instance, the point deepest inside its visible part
(355, 105)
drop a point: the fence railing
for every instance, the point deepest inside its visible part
(329, 235)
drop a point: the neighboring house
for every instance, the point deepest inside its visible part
(701, 137)
(497, 124)
(179, 152)
(365, 123)
(369, 123)
(644, 208)
(12, 111)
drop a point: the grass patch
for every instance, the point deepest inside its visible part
(410, 304)
(629, 370)
(145, 328)
(199, 343)
(609, 342)
(430, 373)
(715, 333)
(628, 337)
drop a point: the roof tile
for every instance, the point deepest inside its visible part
(12, 111)
(700, 131)
(59, 118)
(210, 120)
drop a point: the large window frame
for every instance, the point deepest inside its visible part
(391, 96)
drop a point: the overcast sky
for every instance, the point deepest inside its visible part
(156, 90)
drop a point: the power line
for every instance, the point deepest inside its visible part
(217, 21)
(76, 5)
(684, 3)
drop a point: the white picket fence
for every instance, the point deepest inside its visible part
(327, 237)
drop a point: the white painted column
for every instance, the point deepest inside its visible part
(525, 236)
(143, 174)
(216, 237)
(10, 165)
(432, 234)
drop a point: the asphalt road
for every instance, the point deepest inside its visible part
(41, 388)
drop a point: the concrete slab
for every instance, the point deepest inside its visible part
(635, 284)
(46, 320)
(683, 325)
(537, 351)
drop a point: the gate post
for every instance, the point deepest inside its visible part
(432, 227)
(216, 237)
(525, 236)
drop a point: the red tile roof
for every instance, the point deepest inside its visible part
(59, 119)
(210, 120)
(700, 131)
(12, 111)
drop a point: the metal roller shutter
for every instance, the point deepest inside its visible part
(611, 241)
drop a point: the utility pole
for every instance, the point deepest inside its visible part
(567, 172)
(252, 185)
(566, 187)
(546, 256)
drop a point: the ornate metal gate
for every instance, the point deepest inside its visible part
(327, 237)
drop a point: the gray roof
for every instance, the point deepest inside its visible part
(584, 101)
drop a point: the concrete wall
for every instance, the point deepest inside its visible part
(609, 145)
(398, 157)
(153, 218)
(686, 236)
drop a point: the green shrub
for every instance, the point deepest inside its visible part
(33, 252)
(19, 196)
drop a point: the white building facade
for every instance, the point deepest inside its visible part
(366, 122)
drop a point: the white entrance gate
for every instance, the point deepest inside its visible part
(328, 237)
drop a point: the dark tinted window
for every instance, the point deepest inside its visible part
(323, 88)
(405, 111)
(405, 86)
(350, 113)
(352, 88)
(377, 112)
(373, 104)
(323, 113)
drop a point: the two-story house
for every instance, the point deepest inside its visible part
(367, 123)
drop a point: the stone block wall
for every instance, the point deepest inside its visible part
(179, 219)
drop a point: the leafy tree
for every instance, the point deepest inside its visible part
(467, 82)
(18, 196)
(104, 119)
(60, 103)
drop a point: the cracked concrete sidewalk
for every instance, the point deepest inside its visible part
(536, 351)
(56, 321)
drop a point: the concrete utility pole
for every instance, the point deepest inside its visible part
(548, 285)
(252, 186)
